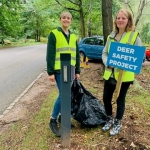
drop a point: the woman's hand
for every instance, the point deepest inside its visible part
(110, 67)
(52, 78)
(77, 76)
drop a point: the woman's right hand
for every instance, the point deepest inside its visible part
(110, 67)
(52, 78)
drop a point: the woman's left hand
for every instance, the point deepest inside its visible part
(77, 76)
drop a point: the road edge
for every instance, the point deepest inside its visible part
(19, 97)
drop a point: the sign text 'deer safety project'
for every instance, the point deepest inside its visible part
(126, 57)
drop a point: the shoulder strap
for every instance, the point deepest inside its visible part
(131, 36)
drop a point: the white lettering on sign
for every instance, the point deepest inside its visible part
(125, 50)
(122, 64)
(124, 57)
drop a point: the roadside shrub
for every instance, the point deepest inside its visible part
(44, 40)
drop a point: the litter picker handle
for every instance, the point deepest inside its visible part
(118, 85)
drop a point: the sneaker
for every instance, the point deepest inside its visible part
(54, 127)
(59, 121)
(109, 123)
(116, 127)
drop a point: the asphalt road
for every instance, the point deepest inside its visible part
(18, 69)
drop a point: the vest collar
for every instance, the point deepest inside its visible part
(60, 29)
(113, 34)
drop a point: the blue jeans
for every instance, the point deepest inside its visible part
(57, 105)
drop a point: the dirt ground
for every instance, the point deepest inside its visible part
(30, 103)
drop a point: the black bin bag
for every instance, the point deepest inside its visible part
(85, 108)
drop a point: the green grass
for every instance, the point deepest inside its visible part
(139, 101)
(33, 134)
(19, 44)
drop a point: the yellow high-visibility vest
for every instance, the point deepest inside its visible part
(62, 46)
(127, 75)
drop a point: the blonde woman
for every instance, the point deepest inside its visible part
(61, 40)
(124, 33)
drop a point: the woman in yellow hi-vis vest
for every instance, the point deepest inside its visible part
(123, 33)
(61, 40)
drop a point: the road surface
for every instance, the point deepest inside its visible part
(19, 67)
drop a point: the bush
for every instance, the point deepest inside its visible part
(12, 39)
(44, 40)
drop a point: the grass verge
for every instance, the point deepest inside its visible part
(34, 133)
(19, 44)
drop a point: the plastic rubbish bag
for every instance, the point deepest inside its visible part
(85, 108)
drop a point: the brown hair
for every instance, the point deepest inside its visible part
(130, 26)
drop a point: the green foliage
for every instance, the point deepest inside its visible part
(10, 19)
(93, 18)
(36, 18)
(91, 13)
(116, 6)
(44, 40)
(145, 33)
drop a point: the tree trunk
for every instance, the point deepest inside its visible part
(39, 39)
(82, 20)
(89, 32)
(107, 18)
(140, 9)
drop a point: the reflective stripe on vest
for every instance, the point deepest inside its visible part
(129, 38)
(62, 46)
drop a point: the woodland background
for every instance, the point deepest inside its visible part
(21, 20)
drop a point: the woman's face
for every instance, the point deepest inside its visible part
(65, 21)
(121, 21)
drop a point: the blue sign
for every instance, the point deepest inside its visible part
(126, 57)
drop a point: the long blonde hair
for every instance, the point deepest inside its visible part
(130, 26)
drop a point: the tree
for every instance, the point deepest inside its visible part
(107, 18)
(145, 33)
(77, 7)
(93, 23)
(36, 20)
(10, 18)
(115, 7)
(141, 6)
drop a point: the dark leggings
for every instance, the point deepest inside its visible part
(107, 98)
